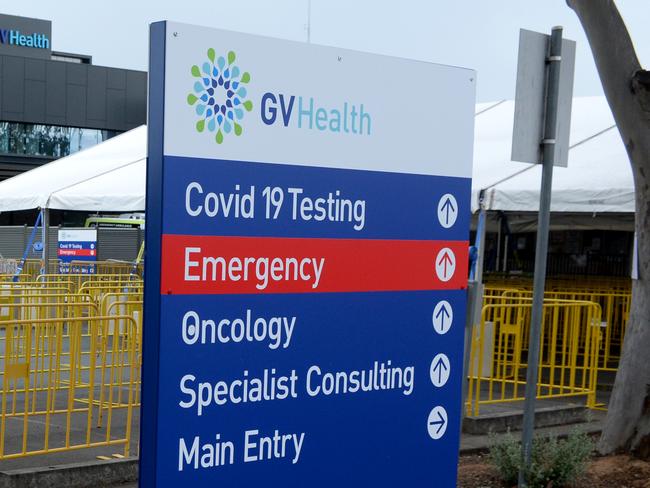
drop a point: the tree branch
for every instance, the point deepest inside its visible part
(613, 52)
(627, 88)
(641, 88)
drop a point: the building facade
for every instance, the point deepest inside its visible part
(52, 103)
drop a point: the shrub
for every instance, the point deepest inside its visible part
(505, 456)
(554, 462)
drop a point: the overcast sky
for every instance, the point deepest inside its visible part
(478, 34)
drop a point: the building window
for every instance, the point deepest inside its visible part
(71, 58)
(47, 140)
(67, 59)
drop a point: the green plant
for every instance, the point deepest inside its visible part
(554, 462)
(505, 456)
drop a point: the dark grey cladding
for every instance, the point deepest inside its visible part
(23, 36)
(43, 91)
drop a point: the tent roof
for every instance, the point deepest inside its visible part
(597, 179)
(100, 173)
(111, 176)
(122, 189)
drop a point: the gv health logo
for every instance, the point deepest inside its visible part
(219, 96)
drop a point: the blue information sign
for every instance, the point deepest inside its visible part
(77, 250)
(307, 227)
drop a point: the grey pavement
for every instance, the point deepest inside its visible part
(472, 444)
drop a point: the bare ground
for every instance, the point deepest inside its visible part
(619, 471)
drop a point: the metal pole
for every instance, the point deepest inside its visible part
(548, 157)
(480, 260)
(474, 302)
(472, 289)
(474, 298)
(498, 264)
(308, 21)
(46, 240)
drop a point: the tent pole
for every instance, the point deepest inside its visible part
(474, 297)
(480, 238)
(500, 223)
(46, 240)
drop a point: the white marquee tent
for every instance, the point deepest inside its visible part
(598, 179)
(106, 177)
(597, 182)
(119, 190)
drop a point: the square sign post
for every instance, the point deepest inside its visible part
(307, 237)
(541, 134)
(77, 251)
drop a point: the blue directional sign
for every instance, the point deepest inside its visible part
(77, 250)
(307, 252)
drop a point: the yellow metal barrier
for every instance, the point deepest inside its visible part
(10, 278)
(578, 283)
(60, 374)
(68, 283)
(70, 362)
(97, 291)
(117, 268)
(33, 267)
(614, 303)
(80, 280)
(615, 306)
(117, 306)
(70, 351)
(569, 354)
(17, 293)
(46, 306)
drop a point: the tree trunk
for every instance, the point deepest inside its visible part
(627, 88)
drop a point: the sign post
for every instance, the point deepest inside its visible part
(542, 123)
(307, 250)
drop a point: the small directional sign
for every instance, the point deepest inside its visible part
(437, 423)
(445, 264)
(440, 370)
(443, 316)
(76, 246)
(527, 131)
(447, 210)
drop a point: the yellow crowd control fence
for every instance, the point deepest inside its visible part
(32, 268)
(61, 376)
(614, 295)
(78, 282)
(70, 351)
(70, 357)
(117, 306)
(569, 353)
(615, 307)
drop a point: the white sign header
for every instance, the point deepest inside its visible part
(312, 105)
